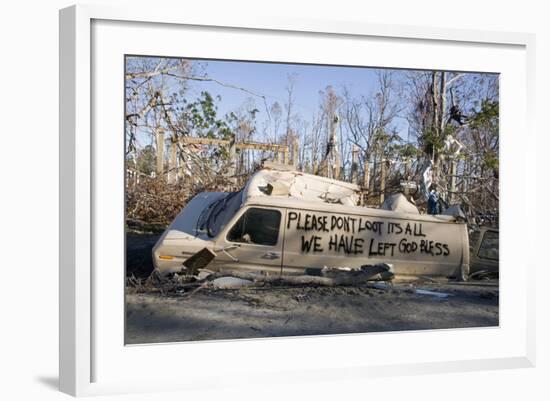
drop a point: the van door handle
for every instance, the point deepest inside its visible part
(271, 255)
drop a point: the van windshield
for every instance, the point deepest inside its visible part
(214, 218)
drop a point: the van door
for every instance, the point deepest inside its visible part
(252, 241)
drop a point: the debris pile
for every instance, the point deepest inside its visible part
(155, 202)
(305, 187)
(231, 279)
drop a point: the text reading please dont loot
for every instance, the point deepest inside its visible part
(359, 235)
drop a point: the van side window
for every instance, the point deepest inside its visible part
(489, 246)
(256, 226)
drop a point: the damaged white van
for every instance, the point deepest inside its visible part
(283, 222)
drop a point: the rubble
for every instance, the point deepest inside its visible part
(327, 277)
(230, 283)
(302, 186)
(399, 203)
(436, 294)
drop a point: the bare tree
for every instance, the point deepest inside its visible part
(289, 105)
(276, 116)
(369, 121)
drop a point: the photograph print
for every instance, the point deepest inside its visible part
(271, 199)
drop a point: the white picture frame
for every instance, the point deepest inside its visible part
(94, 360)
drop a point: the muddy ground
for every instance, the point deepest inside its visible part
(253, 312)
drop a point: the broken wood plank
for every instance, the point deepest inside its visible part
(277, 166)
(199, 260)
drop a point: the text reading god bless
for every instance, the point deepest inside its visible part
(344, 236)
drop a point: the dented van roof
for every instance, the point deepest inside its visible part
(297, 190)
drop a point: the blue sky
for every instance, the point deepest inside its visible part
(271, 79)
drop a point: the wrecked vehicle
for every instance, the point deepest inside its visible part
(283, 222)
(484, 247)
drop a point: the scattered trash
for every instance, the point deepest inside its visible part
(230, 283)
(203, 274)
(380, 272)
(436, 294)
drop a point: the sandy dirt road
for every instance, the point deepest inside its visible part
(293, 311)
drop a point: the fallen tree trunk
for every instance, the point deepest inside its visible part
(331, 278)
(276, 279)
(354, 277)
(378, 272)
